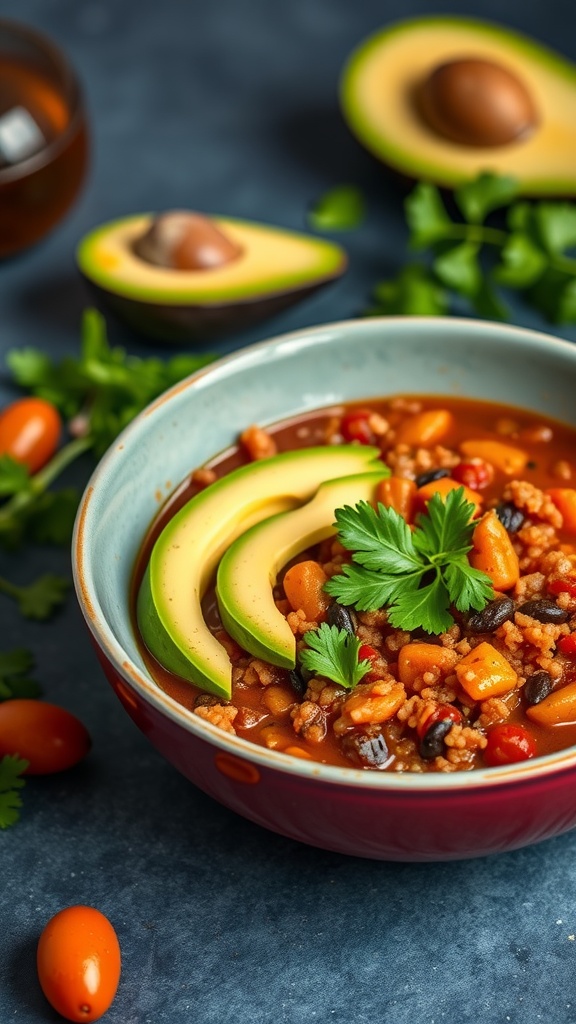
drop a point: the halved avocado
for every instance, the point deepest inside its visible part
(383, 83)
(275, 269)
(247, 572)
(187, 552)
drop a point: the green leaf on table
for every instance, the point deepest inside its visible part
(414, 292)
(14, 678)
(14, 477)
(426, 216)
(341, 209)
(11, 768)
(488, 192)
(566, 313)
(39, 599)
(548, 293)
(522, 262)
(555, 224)
(458, 268)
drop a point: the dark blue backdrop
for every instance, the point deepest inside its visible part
(231, 107)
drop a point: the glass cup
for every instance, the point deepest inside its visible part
(43, 136)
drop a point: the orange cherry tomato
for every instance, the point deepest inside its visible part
(78, 962)
(49, 737)
(30, 432)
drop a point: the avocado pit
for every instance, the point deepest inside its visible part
(182, 240)
(477, 102)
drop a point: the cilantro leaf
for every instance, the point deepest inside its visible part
(14, 679)
(426, 216)
(522, 262)
(446, 527)
(14, 477)
(477, 198)
(379, 540)
(368, 590)
(39, 599)
(413, 292)
(426, 608)
(468, 587)
(50, 519)
(417, 575)
(11, 768)
(458, 268)
(555, 224)
(333, 653)
(340, 209)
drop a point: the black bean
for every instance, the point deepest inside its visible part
(430, 475)
(432, 742)
(299, 683)
(342, 617)
(493, 615)
(536, 687)
(366, 749)
(544, 610)
(512, 518)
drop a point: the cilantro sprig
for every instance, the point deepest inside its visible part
(468, 262)
(416, 574)
(15, 681)
(11, 768)
(342, 208)
(333, 653)
(98, 393)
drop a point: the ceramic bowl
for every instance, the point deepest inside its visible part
(367, 814)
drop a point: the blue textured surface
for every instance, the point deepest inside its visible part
(231, 107)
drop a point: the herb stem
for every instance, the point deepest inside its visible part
(41, 481)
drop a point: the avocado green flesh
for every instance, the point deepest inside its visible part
(185, 555)
(381, 77)
(247, 572)
(274, 261)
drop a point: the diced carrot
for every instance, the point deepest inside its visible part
(558, 708)
(417, 658)
(298, 752)
(398, 492)
(565, 500)
(443, 486)
(493, 552)
(303, 585)
(506, 457)
(365, 705)
(484, 673)
(425, 429)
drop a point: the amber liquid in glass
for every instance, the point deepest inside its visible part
(43, 153)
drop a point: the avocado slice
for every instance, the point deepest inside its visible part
(384, 76)
(275, 268)
(186, 554)
(247, 572)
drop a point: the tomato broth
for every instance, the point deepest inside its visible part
(428, 701)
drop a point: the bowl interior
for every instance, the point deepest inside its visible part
(268, 381)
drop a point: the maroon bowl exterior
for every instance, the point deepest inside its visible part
(409, 826)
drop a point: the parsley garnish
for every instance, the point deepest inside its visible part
(530, 250)
(417, 574)
(14, 679)
(333, 653)
(11, 768)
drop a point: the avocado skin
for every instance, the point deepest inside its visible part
(188, 322)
